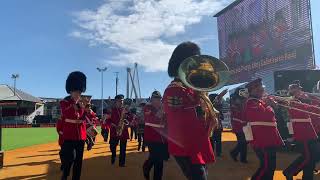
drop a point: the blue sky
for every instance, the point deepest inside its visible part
(45, 40)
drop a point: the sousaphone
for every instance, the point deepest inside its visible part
(204, 74)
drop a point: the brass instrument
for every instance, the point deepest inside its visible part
(286, 103)
(122, 122)
(205, 73)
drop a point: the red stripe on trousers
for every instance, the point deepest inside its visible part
(265, 167)
(306, 160)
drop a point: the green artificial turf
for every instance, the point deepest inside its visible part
(13, 138)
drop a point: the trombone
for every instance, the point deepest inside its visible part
(286, 101)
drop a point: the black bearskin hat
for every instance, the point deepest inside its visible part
(76, 81)
(180, 53)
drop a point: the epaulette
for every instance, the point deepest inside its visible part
(148, 111)
(254, 101)
(174, 84)
(174, 101)
(67, 98)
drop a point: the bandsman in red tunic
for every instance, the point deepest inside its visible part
(73, 125)
(262, 126)
(105, 125)
(237, 104)
(302, 129)
(188, 138)
(118, 111)
(155, 137)
(133, 120)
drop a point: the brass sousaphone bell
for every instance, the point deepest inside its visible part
(204, 74)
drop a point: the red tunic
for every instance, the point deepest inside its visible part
(154, 130)
(75, 130)
(263, 136)
(59, 128)
(315, 108)
(187, 135)
(237, 121)
(115, 118)
(106, 123)
(303, 131)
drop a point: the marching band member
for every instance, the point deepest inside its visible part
(105, 125)
(140, 129)
(74, 126)
(133, 123)
(265, 135)
(238, 122)
(117, 111)
(216, 100)
(154, 136)
(188, 138)
(303, 132)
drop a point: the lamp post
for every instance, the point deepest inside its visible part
(102, 70)
(117, 81)
(14, 77)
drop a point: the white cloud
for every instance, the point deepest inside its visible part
(137, 28)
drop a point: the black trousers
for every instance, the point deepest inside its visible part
(192, 171)
(105, 134)
(241, 147)
(316, 152)
(133, 133)
(268, 161)
(305, 162)
(158, 152)
(72, 153)
(141, 143)
(123, 148)
(216, 141)
(62, 158)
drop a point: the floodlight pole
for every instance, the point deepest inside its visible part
(117, 81)
(14, 77)
(102, 70)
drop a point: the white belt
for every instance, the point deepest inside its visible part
(301, 120)
(74, 121)
(273, 124)
(238, 120)
(154, 125)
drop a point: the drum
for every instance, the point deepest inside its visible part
(92, 132)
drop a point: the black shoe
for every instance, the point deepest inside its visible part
(113, 160)
(244, 161)
(233, 157)
(89, 147)
(146, 173)
(289, 178)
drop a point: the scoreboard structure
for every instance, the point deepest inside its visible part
(259, 37)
